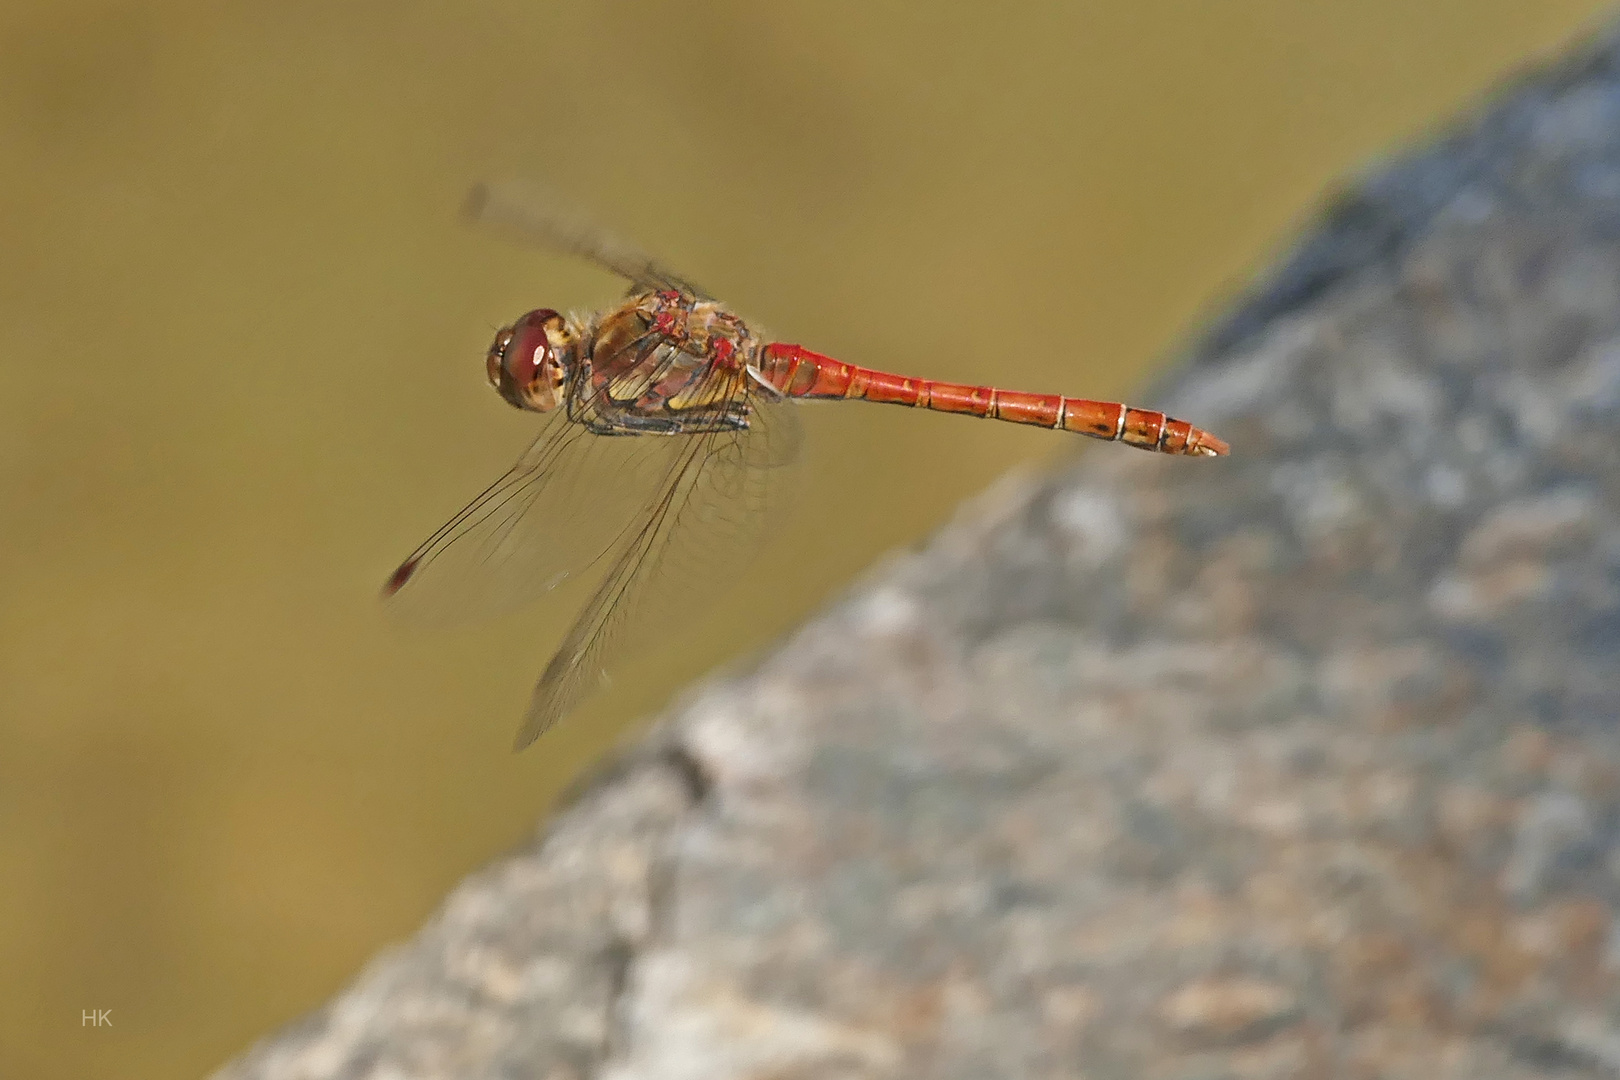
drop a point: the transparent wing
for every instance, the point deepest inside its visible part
(567, 501)
(717, 501)
(536, 214)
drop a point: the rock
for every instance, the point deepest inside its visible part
(1304, 762)
(1228, 1011)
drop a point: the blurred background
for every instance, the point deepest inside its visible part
(242, 335)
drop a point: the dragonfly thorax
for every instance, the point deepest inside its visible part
(531, 362)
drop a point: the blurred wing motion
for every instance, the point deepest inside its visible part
(720, 493)
(532, 213)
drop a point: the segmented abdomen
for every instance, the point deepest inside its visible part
(798, 372)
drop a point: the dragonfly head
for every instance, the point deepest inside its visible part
(531, 361)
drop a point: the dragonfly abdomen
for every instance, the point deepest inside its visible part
(798, 372)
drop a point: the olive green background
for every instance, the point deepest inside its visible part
(242, 337)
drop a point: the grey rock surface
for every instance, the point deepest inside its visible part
(1301, 763)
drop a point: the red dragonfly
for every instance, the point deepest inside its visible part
(668, 438)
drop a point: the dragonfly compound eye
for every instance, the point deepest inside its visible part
(530, 360)
(495, 359)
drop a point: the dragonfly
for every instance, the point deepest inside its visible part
(669, 441)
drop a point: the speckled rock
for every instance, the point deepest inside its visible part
(1301, 763)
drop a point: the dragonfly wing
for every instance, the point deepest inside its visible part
(719, 499)
(567, 502)
(537, 215)
(778, 443)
